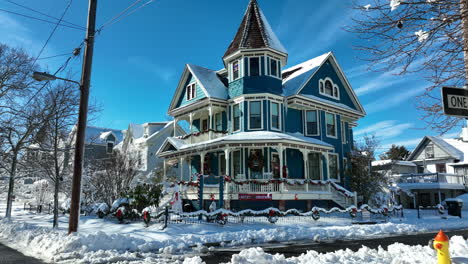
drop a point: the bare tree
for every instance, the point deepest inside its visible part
(51, 141)
(424, 36)
(111, 177)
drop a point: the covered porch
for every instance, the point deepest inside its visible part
(271, 165)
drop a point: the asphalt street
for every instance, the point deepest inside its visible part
(296, 248)
(11, 256)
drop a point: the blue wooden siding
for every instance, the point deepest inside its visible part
(327, 70)
(183, 97)
(294, 121)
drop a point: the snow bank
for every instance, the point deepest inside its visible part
(396, 253)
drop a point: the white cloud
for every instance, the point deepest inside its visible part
(147, 65)
(389, 101)
(408, 143)
(384, 130)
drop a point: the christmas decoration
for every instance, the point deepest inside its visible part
(256, 161)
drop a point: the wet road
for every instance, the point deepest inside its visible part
(298, 247)
(11, 256)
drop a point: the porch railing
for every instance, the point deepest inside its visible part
(430, 178)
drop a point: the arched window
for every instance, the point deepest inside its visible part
(328, 88)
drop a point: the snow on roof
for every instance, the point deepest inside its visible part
(396, 162)
(254, 32)
(251, 136)
(95, 135)
(271, 37)
(296, 76)
(454, 147)
(210, 81)
(137, 130)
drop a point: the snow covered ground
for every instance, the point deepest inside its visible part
(103, 241)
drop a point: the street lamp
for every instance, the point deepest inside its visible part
(43, 76)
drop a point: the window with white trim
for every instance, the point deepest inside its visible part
(430, 152)
(236, 163)
(274, 68)
(191, 91)
(110, 147)
(236, 113)
(235, 69)
(218, 122)
(275, 116)
(311, 127)
(328, 88)
(330, 122)
(314, 165)
(255, 114)
(344, 138)
(254, 66)
(333, 167)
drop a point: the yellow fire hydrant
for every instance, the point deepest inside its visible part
(441, 246)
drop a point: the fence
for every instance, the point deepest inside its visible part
(318, 216)
(430, 211)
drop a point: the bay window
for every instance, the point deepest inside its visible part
(311, 123)
(330, 120)
(255, 115)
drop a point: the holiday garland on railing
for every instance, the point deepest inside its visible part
(290, 182)
(196, 134)
(273, 213)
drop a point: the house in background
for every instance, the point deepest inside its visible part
(143, 142)
(437, 169)
(278, 137)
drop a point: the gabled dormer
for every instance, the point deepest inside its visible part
(255, 57)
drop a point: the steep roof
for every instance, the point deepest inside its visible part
(456, 148)
(98, 135)
(210, 81)
(295, 77)
(254, 32)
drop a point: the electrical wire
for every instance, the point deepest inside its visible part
(55, 56)
(52, 33)
(40, 19)
(118, 15)
(44, 14)
(131, 12)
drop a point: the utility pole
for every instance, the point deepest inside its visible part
(464, 16)
(82, 118)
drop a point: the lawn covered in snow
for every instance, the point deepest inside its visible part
(104, 240)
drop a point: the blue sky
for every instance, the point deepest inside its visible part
(138, 61)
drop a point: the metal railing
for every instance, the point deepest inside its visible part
(430, 178)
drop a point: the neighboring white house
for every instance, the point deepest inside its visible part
(143, 142)
(437, 169)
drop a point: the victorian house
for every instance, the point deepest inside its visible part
(261, 134)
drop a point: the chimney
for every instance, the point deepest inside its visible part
(464, 134)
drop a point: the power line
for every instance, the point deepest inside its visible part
(40, 19)
(55, 56)
(52, 33)
(122, 14)
(44, 14)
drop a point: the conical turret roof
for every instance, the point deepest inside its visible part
(254, 32)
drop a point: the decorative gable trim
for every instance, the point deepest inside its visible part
(181, 87)
(445, 147)
(342, 77)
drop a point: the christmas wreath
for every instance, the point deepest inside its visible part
(315, 215)
(272, 216)
(353, 212)
(256, 161)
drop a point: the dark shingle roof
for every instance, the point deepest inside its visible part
(254, 32)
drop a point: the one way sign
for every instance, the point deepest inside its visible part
(455, 101)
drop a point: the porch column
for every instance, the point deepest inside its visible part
(226, 158)
(210, 122)
(191, 126)
(175, 126)
(281, 164)
(305, 157)
(202, 162)
(325, 166)
(440, 198)
(181, 167)
(164, 170)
